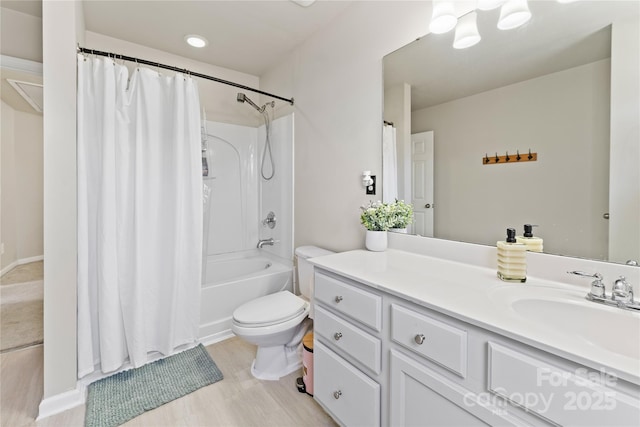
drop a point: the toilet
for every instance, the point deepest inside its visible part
(277, 322)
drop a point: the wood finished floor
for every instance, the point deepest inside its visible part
(238, 400)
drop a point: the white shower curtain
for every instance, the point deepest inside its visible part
(139, 214)
(389, 164)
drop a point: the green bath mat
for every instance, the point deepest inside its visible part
(115, 400)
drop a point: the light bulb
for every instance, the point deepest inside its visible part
(444, 17)
(513, 14)
(467, 33)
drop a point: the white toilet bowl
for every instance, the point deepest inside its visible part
(277, 322)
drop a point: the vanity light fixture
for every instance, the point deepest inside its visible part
(196, 40)
(444, 17)
(467, 33)
(513, 14)
(366, 178)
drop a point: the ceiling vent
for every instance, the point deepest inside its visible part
(31, 92)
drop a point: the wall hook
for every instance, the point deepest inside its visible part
(530, 156)
(497, 158)
(518, 155)
(486, 158)
(507, 158)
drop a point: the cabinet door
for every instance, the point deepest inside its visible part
(351, 397)
(421, 397)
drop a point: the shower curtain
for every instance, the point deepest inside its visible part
(389, 164)
(139, 214)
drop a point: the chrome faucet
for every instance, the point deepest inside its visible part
(621, 293)
(268, 242)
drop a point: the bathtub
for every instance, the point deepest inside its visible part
(232, 280)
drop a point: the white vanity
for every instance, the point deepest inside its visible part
(406, 339)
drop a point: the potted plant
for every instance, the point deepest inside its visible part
(401, 216)
(377, 219)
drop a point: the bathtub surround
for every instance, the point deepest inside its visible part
(139, 214)
(235, 271)
(116, 399)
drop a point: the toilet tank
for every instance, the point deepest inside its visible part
(305, 269)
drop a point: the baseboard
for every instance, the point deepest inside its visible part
(8, 268)
(216, 338)
(30, 259)
(20, 262)
(61, 402)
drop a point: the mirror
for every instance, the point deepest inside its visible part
(554, 87)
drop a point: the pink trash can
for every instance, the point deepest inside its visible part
(307, 363)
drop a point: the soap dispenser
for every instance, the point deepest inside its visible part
(534, 244)
(512, 259)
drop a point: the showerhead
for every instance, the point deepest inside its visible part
(243, 98)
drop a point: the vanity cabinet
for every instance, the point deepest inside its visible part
(381, 359)
(347, 351)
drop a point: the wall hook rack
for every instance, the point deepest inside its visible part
(494, 160)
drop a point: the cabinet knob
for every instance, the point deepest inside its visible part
(337, 336)
(337, 394)
(338, 299)
(419, 339)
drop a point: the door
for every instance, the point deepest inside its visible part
(422, 182)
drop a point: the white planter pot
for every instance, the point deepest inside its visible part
(376, 241)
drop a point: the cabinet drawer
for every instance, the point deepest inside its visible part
(557, 395)
(351, 339)
(444, 344)
(354, 302)
(349, 395)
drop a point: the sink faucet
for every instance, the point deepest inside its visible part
(269, 242)
(621, 293)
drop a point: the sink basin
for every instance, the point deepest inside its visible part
(566, 311)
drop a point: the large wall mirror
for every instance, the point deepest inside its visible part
(565, 87)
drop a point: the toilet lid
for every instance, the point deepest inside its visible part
(269, 309)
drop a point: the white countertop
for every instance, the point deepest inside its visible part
(475, 295)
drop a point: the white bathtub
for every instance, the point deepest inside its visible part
(232, 280)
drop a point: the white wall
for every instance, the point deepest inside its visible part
(29, 184)
(8, 228)
(336, 80)
(564, 117)
(20, 35)
(21, 187)
(62, 28)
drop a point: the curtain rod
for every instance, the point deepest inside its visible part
(180, 70)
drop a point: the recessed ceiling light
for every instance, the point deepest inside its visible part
(196, 40)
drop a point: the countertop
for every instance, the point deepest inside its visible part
(475, 295)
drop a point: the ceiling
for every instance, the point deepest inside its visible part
(246, 36)
(558, 37)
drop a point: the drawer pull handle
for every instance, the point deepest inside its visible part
(337, 336)
(338, 299)
(337, 394)
(419, 339)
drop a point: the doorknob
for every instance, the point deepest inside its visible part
(428, 205)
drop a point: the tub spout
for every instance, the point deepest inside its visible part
(269, 242)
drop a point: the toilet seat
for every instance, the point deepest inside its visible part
(268, 310)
